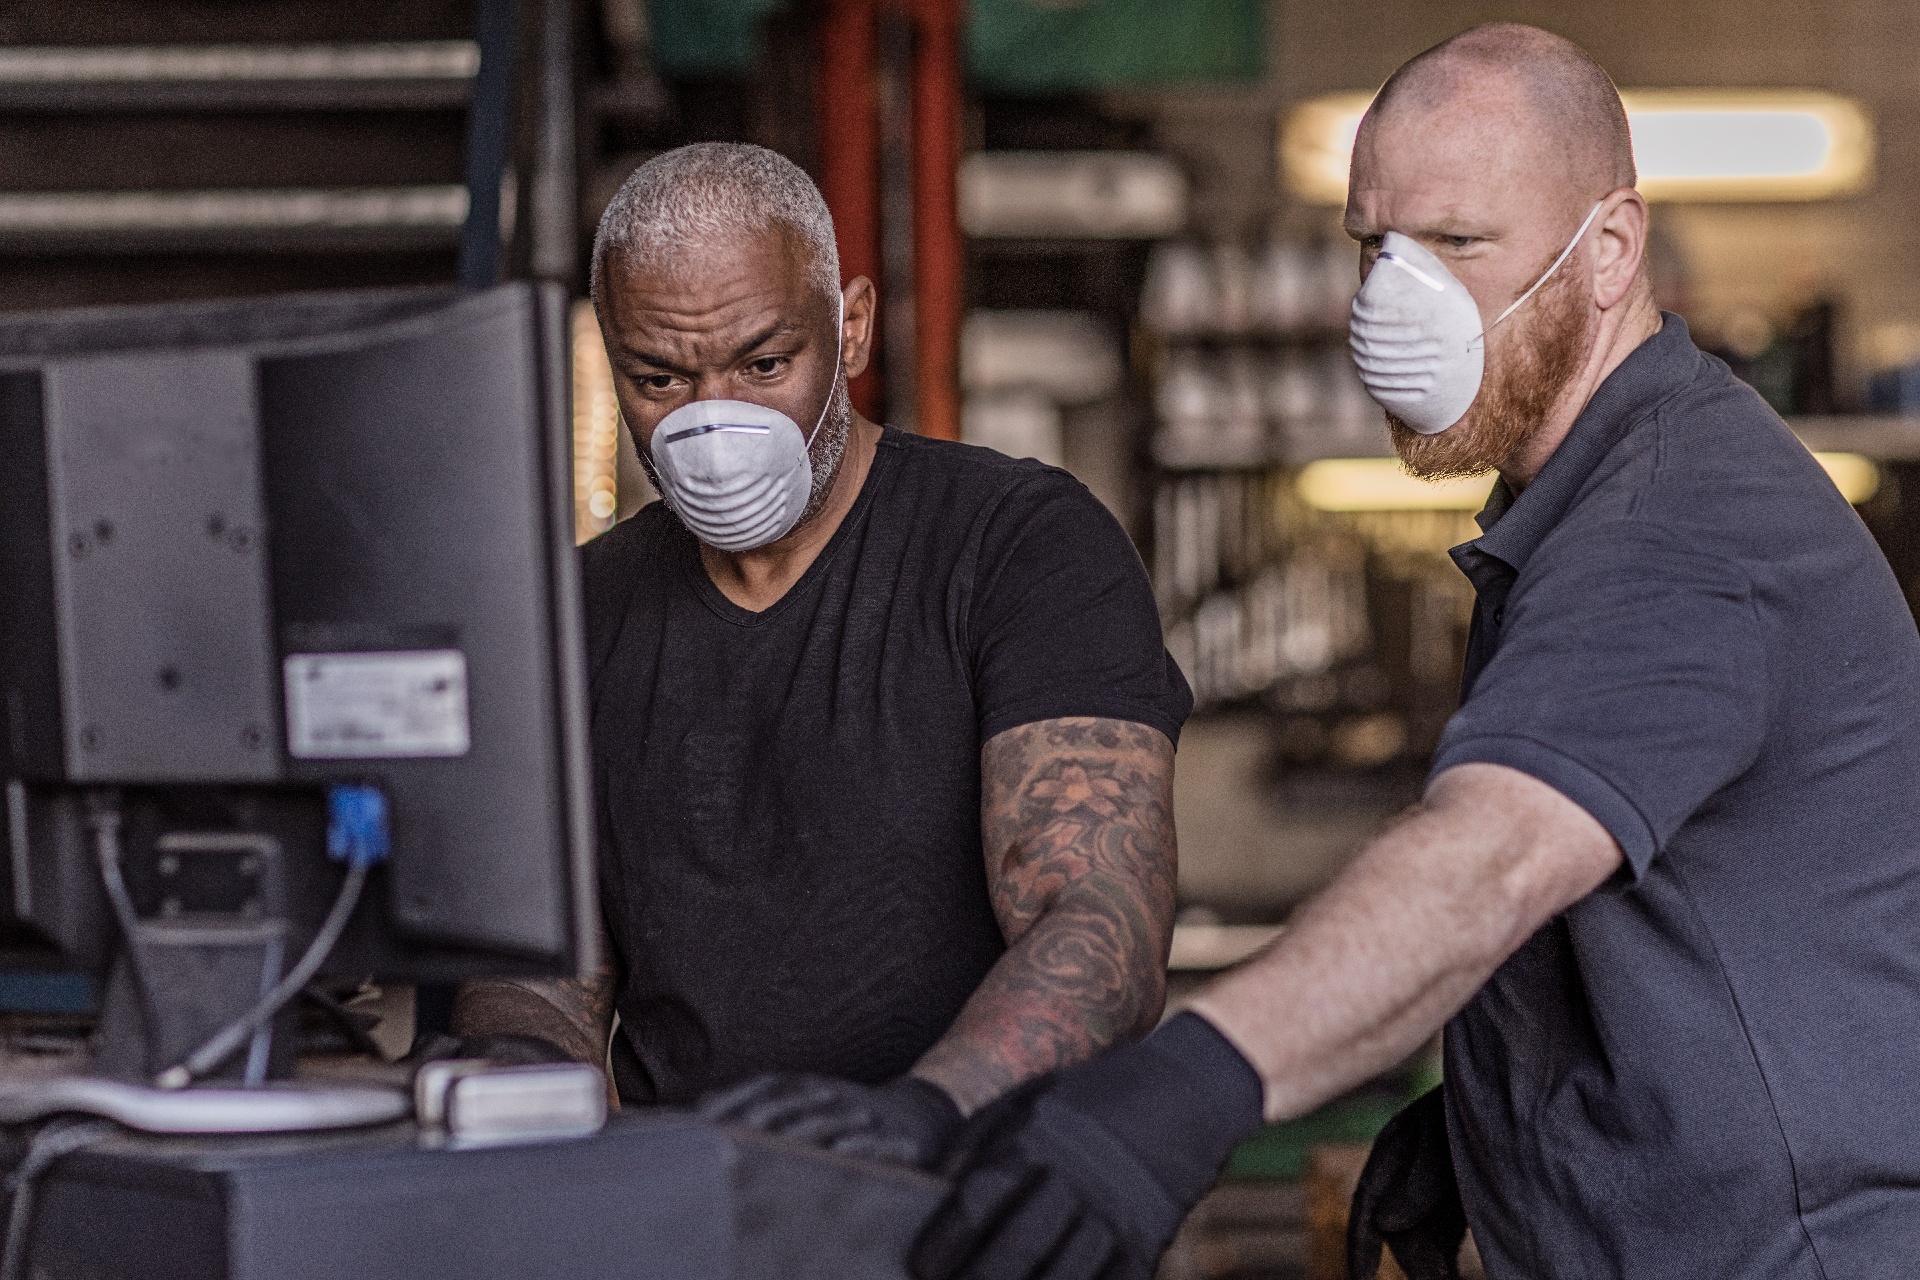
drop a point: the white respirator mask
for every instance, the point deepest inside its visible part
(739, 474)
(1416, 333)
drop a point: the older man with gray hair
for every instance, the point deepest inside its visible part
(883, 725)
(1663, 888)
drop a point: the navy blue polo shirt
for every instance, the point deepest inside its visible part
(1711, 1066)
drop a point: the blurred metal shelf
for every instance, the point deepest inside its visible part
(1882, 437)
(415, 75)
(115, 222)
(1071, 195)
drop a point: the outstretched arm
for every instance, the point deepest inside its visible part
(1092, 1183)
(1370, 969)
(1077, 829)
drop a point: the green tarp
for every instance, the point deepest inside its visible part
(1019, 46)
(1042, 46)
(705, 37)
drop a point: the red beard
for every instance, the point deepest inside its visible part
(1519, 391)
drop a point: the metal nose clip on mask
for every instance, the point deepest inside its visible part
(1416, 335)
(739, 474)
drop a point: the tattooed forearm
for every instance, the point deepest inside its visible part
(1077, 824)
(574, 1013)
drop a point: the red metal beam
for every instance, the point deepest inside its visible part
(849, 122)
(939, 285)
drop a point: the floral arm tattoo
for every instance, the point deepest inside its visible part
(1077, 828)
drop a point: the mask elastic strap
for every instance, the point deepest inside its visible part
(1548, 274)
(839, 341)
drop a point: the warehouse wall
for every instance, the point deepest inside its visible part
(1767, 257)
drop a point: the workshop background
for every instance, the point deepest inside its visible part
(1106, 234)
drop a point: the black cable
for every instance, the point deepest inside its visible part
(226, 1041)
(343, 1018)
(56, 1139)
(103, 820)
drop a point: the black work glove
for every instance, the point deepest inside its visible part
(501, 1050)
(906, 1121)
(1089, 1172)
(1408, 1198)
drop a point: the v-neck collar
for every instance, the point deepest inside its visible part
(716, 600)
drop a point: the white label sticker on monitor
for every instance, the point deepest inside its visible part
(377, 706)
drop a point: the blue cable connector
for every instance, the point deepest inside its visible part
(357, 830)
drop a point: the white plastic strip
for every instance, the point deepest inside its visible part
(199, 64)
(1548, 275)
(30, 213)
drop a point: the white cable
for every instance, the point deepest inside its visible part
(230, 1037)
(103, 819)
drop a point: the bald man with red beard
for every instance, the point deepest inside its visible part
(1662, 891)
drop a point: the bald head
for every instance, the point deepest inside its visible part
(1496, 143)
(1546, 86)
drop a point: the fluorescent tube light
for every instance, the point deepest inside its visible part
(1689, 144)
(1316, 145)
(1381, 484)
(1697, 144)
(1857, 478)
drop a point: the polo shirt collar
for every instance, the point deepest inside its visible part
(1514, 527)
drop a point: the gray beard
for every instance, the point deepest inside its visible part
(829, 448)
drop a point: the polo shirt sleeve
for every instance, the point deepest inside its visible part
(1061, 619)
(1630, 676)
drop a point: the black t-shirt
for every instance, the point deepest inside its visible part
(790, 800)
(1711, 1067)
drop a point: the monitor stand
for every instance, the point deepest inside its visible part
(218, 945)
(201, 974)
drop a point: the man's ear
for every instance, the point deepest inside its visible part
(856, 329)
(1621, 248)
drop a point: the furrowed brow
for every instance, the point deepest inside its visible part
(652, 360)
(780, 328)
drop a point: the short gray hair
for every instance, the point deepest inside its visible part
(710, 191)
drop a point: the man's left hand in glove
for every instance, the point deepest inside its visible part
(906, 1121)
(1087, 1173)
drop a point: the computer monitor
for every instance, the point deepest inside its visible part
(276, 574)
